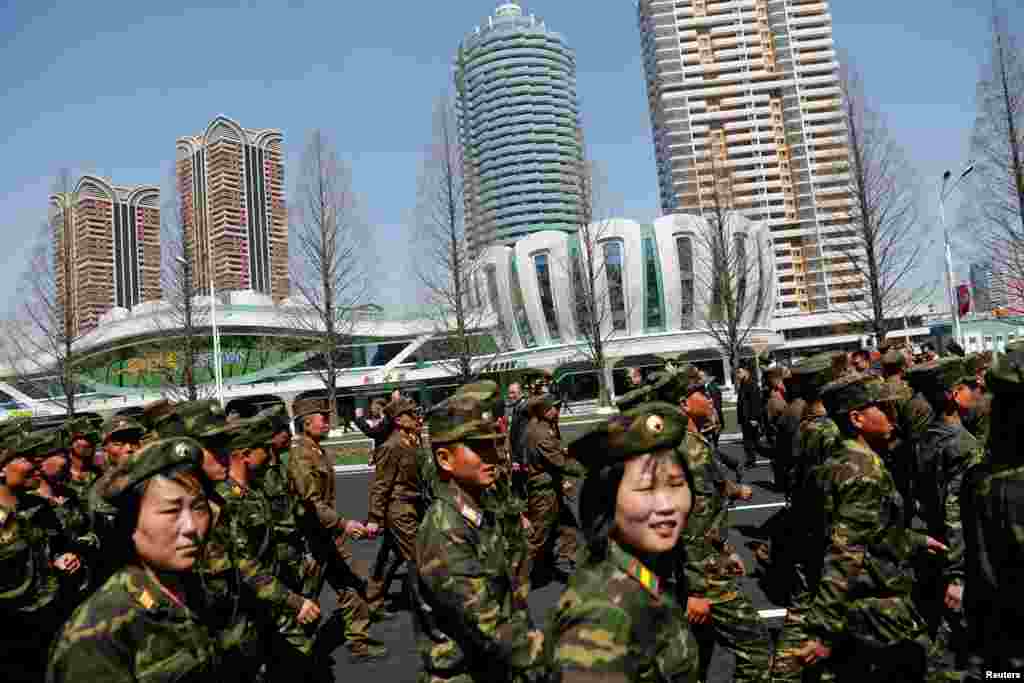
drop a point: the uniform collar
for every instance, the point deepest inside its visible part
(465, 505)
(700, 437)
(625, 561)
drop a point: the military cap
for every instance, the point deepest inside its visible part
(855, 392)
(123, 425)
(156, 458)
(460, 417)
(894, 358)
(82, 427)
(278, 417)
(483, 390)
(191, 418)
(938, 375)
(154, 412)
(814, 372)
(41, 442)
(1006, 376)
(253, 432)
(976, 362)
(635, 397)
(648, 428)
(541, 403)
(311, 406)
(11, 431)
(400, 406)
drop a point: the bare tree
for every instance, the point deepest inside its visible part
(327, 268)
(731, 289)
(884, 244)
(600, 305)
(997, 144)
(41, 351)
(448, 267)
(185, 324)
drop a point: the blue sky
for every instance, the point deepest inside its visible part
(107, 87)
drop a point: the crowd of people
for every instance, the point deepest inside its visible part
(201, 547)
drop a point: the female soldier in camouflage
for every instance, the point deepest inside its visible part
(139, 625)
(623, 616)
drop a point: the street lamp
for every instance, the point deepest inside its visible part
(944, 191)
(217, 376)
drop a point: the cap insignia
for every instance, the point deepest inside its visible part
(472, 516)
(656, 424)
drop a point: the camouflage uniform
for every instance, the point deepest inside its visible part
(473, 624)
(992, 507)
(913, 415)
(394, 495)
(862, 607)
(711, 570)
(547, 466)
(979, 420)
(131, 629)
(619, 620)
(312, 486)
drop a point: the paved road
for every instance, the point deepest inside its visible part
(746, 520)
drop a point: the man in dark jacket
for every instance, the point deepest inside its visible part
(748, 412)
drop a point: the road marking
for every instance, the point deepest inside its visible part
(762, 506)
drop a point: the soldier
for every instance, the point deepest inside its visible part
(944, 455)
(143, 623)
(547, 464)
(748, 412)
(152, 414)
(913, 415)
(121, 437)
(774, 410)
(861, 619)
(978, 419)
(623, 617)
(84, 437)
(35, 555)
(992, 507)
(394, 493)
(473, 624)
(244, 590)
(311, 483)
(517, 419)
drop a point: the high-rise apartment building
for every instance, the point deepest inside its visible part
(519, 129)
(981, 287)
(231, 189)
(106, 249)
(746, 110)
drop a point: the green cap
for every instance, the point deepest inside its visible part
(253, 432)
(977, 362)
(648, 428)
(811, 374)
(83, 428)
(460, 417)
(156, 458)
(1006, 376)
(191, 418)
(11, 432)
(894, 358)
(278, 416)
(154, 412)
(124, 427)
(41, 443)
(636, 397)
(537, 405)
(938, 375)
(855, 392)
(311, 406)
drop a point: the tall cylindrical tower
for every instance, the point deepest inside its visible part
(519, 129)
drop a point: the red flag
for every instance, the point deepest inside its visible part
(963, 299)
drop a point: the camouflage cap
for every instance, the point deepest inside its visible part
(938, 375)
(855, 392)
(154, 412)
(648, 428)
(41, 442)
(813, 373)
(977, 362)
(1006, 376)
(400, 406)
(537, 405)
(83, 428)
(310, 406)
(632, 399)
(124, 427)
(253, 432)
(191, 418)
(278, 416)
(11, 431)
(156, 458)
(460, 417)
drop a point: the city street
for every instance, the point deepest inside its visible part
(403, 664)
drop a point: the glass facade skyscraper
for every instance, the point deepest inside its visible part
(519, 129)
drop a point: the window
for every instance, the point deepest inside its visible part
(616, 287)
(519, 310)
(740, 261)
(492, 294)
(654, 314)
(547, 299)
(581, 300)
(684, 250)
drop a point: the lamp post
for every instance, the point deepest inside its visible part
(944, 190)
(217, 377)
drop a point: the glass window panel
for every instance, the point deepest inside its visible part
(547, 299)
(519, 310)
(581, 299)
(740, 259)
(492, 293)
(654, 314)
(684, 249)
(616, 285)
